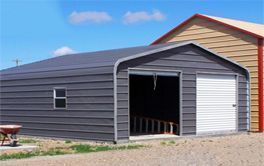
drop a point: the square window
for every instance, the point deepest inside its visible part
(59, 98)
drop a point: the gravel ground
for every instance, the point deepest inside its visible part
(242, 149)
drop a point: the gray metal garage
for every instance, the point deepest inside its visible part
(176, 88)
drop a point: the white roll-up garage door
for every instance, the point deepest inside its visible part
(216, 103)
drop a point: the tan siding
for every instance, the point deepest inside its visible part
(254, 85)
(242, 53)
(254, 103)
(254, 125)
(202, 31)
(199, 36)
(235, 45)
(245, 58)
(254, 91)
(222, 39)
(230, 43)
(198, 24)
(253, 69)
(223, 50)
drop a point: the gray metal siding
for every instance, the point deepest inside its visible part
(27, 99)
(189, 62)
(27, 91)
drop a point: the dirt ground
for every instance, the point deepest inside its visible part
(241, 149)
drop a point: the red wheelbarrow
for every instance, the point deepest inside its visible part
(9, 132)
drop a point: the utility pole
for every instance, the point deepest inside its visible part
(17, 61)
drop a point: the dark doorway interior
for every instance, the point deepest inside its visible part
(149, 101)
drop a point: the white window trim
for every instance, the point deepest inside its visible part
(54, 98)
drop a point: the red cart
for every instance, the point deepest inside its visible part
(9, 132)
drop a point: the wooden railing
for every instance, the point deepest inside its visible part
(155, 126)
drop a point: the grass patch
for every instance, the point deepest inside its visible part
(172, 142)
(22, 155)
(27, 141)
(19, 155)
(68, 141)
(53, 152)
(82, 148)
(78, 148)
(167, 142)
(85, 148)
(130, 147)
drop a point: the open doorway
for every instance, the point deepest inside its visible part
(154, 104)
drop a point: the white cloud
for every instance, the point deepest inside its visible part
(89, 16)
(63, 51)
(141, 16)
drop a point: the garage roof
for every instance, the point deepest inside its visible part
(81, 60)
(97, 59)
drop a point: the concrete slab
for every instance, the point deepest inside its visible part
(152, 136)
(18, 147)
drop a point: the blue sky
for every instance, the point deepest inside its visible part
(33, 30)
